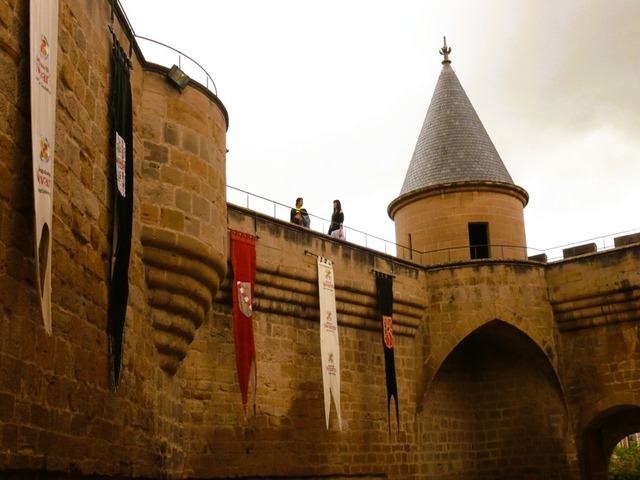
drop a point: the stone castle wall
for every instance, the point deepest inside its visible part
(58, 409)
(502, 366)
(287, 436)
(596, 304)
(489, 386)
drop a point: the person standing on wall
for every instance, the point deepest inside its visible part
(337, 219)
(299, 215)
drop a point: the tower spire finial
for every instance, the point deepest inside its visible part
(445, 51)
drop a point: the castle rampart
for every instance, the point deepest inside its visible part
(503, 365)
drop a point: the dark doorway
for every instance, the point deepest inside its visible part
(479, 240)
(491, 434)
(603, 435)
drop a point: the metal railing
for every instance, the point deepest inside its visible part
(319, 224)
(156, 52)
(192, 68)
(281, 211)
(602, 243)
(466, 253)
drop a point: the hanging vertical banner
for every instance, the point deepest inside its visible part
(121, 164)
(243, 262)
(43, 25)
(384, 287)
(329, 345)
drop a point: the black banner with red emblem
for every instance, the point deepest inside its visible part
(384, 287)
(121, 157)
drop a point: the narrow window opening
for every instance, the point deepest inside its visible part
(410, 248)
(479, 240)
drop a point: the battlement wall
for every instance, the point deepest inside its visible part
(287, 436)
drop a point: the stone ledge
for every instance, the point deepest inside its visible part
(603, 308)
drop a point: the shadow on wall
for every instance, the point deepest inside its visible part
(496, 410)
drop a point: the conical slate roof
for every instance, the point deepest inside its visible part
(453, 145)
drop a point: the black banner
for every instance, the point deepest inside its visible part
(121, 165)
(384, 286)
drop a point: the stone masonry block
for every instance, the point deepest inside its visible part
(172, 219)
(171, 134)
(627, 240)
(171, 175)
(156, 153)
(190, 142)
(579, 250)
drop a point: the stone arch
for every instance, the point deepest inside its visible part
(495, 409)
(542, 337)
(602, 426)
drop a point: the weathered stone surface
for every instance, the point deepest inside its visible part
(505, 367)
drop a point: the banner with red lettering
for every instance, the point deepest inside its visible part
(43, 24)
(329, 344)
(384, 287)
(243, 262)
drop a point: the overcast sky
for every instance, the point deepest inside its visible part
(326, 99)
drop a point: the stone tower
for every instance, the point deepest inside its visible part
(458, 201)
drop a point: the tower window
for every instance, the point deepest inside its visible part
(479, 240)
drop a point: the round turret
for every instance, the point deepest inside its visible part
(458, 201)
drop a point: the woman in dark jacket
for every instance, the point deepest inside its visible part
(337, 217)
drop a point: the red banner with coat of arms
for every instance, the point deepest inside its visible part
(243, 262)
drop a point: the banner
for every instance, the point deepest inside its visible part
(43, 47)
(121, 164)
(329, 345)
(384, 287)
(243, 262)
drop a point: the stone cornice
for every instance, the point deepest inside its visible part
(457, 187)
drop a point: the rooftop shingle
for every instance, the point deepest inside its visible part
(453, 145)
